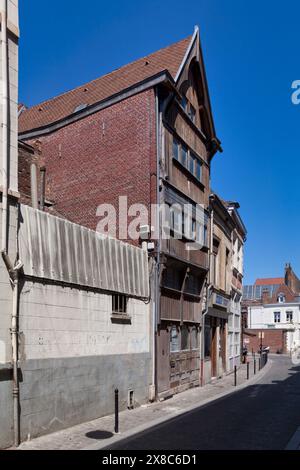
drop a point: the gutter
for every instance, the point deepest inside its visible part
(161, 77)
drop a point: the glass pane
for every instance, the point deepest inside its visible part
(184, 155)
(184, 103)
(175, 149)
(191, 164)
(198, 170)
(184, 338)
(174, 340)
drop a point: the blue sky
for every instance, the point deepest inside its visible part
(251, 52)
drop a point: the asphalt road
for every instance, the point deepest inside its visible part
(263, 416)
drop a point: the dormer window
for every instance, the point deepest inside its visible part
(281, 298)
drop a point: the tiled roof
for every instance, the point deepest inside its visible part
(269, 281)
(55, 109)
(286, 291)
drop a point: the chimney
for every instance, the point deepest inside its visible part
(265, 296)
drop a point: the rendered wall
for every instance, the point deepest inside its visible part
(73, 356)
(6, 426)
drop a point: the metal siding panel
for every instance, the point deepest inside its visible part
(63, 251)
(45, 248)
(56, 249)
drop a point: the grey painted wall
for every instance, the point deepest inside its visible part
(58, 393)
(6, 411)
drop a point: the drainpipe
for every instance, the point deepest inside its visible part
(43, 188)
(13, 271)
(34, 190)
(156, 310)
(208, 290)
(4, 127)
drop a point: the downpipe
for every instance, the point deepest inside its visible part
(208, 292)
(13, 270)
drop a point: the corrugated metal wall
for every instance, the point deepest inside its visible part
(55, 249)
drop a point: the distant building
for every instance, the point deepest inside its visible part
(273, 304)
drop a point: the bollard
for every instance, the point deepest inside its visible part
(254, 366)
(117, 411)
(235, 378)
(248, 365)
(259, 363)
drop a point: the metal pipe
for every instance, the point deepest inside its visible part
(116, 411)
(4, 127)
(34, 190)
(13, 271)
(43, 188)
(208, 293)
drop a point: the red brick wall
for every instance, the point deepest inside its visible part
(274, 338)
(101, 157)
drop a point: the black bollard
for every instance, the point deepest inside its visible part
(254, 366)
(248, 370)
(235, 377)
(116, 411)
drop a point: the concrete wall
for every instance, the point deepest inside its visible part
(73, 356)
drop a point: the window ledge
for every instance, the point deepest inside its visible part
(123, 318)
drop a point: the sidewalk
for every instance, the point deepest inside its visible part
(99, 433)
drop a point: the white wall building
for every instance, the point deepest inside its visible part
(280, 315)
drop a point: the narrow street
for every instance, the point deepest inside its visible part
(264, 416)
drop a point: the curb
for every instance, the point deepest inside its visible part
(150, 424)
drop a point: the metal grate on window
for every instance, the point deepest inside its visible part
(119, 303)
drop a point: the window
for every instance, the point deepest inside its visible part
(289, 316)
(184, 103)
(276, 317)
(207, 338)
(119, 303)
(192, 113)
(198, 172)
(194, 338)
(174, 339)
(177, 221)
(201, 233)
(187, 158)
(175, 149)
(184, 155)
(192, 164)
(184, 338)
(281, 298)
